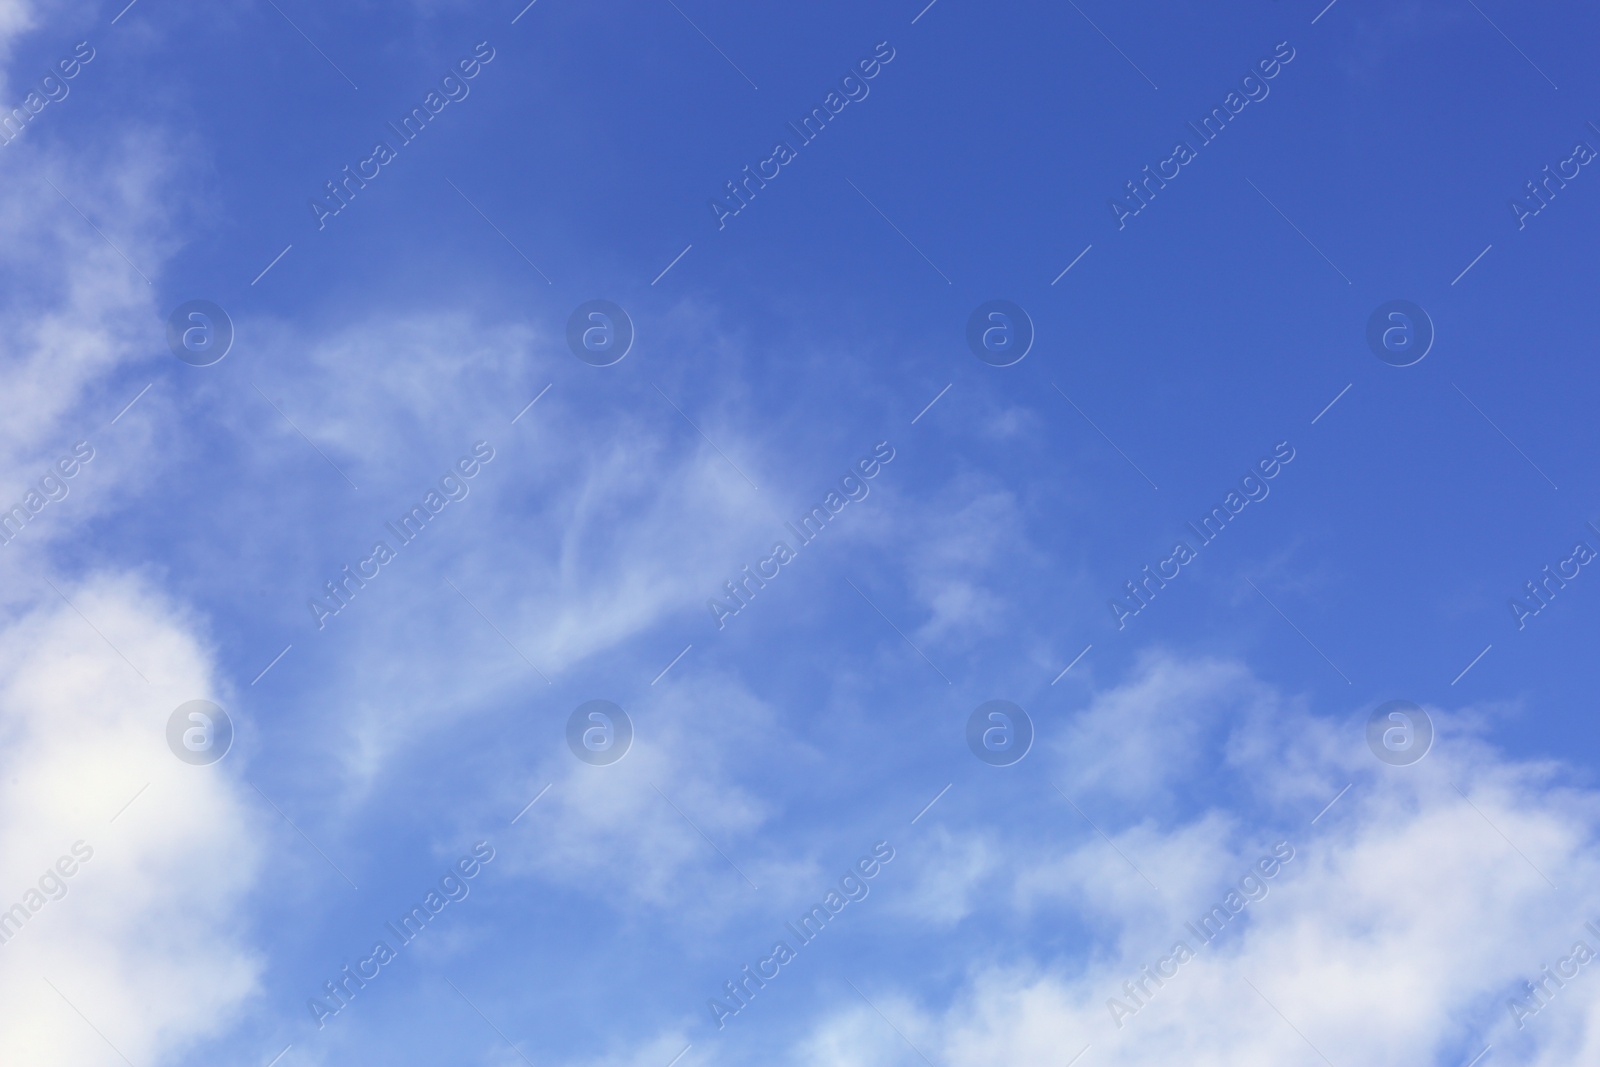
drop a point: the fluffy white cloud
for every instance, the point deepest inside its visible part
(1407, 918)
(146, 941)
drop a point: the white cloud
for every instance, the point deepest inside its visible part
(608, 522)
(859, 1036)
(975, 528)
(80, 314)
(1397, 933)
(16, 18)
(628, 825)
(146, 940)
(950, 881)
(1139, 741)
(146, 943)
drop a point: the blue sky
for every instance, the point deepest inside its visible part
(1214, 342)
